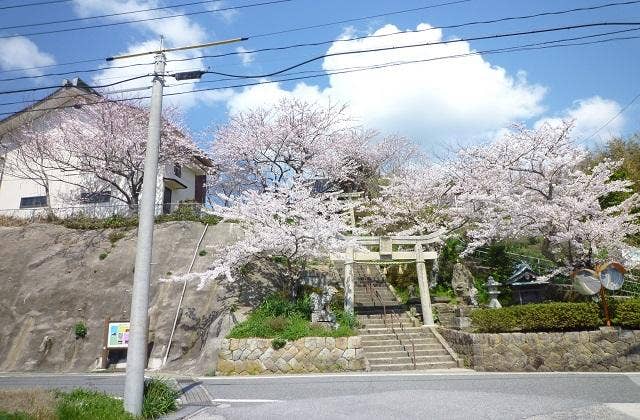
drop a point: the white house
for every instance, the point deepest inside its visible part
(24, 194)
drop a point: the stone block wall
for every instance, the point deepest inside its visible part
(254, 356)
(606, 350)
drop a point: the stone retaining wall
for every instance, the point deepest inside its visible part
(254, 356)
(607, 349)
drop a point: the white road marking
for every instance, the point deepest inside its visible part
(228, 400)
(630, 409)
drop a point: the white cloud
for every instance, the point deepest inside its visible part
(228, 16)
(180, 31)
(20, 52)
(177, 31)
(590, 115)
(245, 55)
(432, 102)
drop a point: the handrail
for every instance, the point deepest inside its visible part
(373, 293)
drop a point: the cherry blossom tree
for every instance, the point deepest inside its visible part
(533, 183)
(287, 223)
(106, 144)
(262, 147)
(417, 200)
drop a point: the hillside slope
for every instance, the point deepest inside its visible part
(52, 277)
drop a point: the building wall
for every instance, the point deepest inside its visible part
(606, 350)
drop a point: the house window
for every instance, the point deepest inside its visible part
(33, 202)
(95, 197)
(177, 170)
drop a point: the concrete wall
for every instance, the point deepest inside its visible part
(606, 349)
(254, 356)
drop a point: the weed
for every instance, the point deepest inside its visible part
(80, 330)
(159, 398)
(278, 343)
(115, 236)
(103, 255)
(202, 253)
(84, 404)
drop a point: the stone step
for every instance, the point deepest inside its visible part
(406, 359)
(381, 329)
(404, 353)
(374, 349)
(409, 366)
(391, 335)
(419, 343)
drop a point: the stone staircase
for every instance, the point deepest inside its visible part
(386, 345)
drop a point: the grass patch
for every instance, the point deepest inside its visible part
(32, 404)
(279, 318)
(115, 236)
(103, 255)
(81, 404)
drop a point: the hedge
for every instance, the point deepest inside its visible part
(537, 317)
(627, 313)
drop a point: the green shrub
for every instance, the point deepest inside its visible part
(278, 317)
(159, 398)
(278, 343)
(627, 313)
(115, 236)
(83, 404)
(202, 253)
(538, 317)
(80, 330)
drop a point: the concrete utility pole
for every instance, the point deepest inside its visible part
(139, 313)
(137, 348)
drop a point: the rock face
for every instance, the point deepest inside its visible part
(606, 350)
(254, 356)
(52, 277)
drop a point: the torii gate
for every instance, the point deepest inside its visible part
(387, 254)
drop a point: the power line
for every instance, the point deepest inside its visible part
(526, 47)
(41, 3)
(622, 110)
(354, 20)
(102, 59)
(424, 44)
(460, 25)
(10, 79)
(105, 25)
(151, 9)
(92, 87)
(284, 31)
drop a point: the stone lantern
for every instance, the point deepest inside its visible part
(492, 289)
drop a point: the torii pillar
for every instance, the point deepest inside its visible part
(348, 281)
(423, 283)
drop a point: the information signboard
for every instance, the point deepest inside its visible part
(118, 337)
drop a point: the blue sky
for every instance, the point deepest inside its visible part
(443, 102)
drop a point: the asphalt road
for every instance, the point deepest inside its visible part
(446, 395)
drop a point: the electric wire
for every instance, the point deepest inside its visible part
(151, 9)
(64, 73)
(41, 3)
(527, 47)
(91, 87)
(284, 31)
(424, 44)
(106, 25)
(353, 20)
(612, 119)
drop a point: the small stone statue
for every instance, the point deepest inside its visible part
(320, 311)
(462, 283)
(473, 295)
